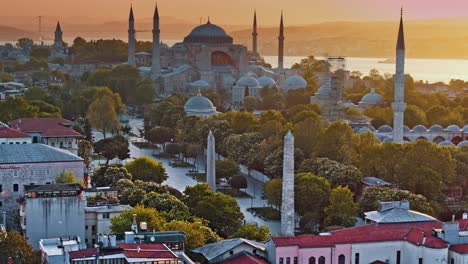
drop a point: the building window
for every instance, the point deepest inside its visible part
(15, 173)
(356, 258)
(61, 144)
(93, 230)
(47, 183)
(288, 260)
(231, 252)
(86, 227)
(1, 204)
(52, 144)
(295, 260)
(15, 187)
(321, 260)
(1, 188)
(452, 261)
(398, 257)
(254, 251)
(105, 215)
(69, 144)
(420, 260)
(281, 261)
(341, 259)
(312, 260)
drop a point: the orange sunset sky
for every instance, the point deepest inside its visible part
(239, 12)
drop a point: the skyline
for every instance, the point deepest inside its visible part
(297, 12)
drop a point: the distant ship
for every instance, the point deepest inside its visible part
(388, 61)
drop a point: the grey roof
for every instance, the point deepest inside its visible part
(373, 181)
(396, 212)
(213, 250)
(34, 153)
(199, 104)
(72, 187)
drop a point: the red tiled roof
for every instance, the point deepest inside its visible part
(47, 127)
(6, 132)
(462, 248)
(245, 259)
(150, 254)
(85, 253)
(415, 233)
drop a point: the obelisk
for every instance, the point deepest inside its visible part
(211, 162)
(287, 205)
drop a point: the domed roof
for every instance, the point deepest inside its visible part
(385, 129)
(382, 137)
(436, 128)
(249, 81)
(323, 90)
(199, 105)
(465, 128)
(446, 143)
(208, 33)
(419, 129)
(463, 143)
(406, 129)
(453, 128)
(200, 83)
(388, 139)
(295, 82)
(266, 81)
(372, 98)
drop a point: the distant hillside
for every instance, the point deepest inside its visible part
(424, 39)
(12, 34)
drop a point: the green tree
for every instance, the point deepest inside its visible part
(306, 133)
(310, 193)
(144, 93)
(250, 103)
(25, 43)
(66, 177)
(197, 233)
(160, 135)
(146, 169)
(335, 142)
(102, 115)
(123, 222)
(7, 77)
(342, 210)
(13, 108)
(243, 148)
(252, 232)
(110, 175)
(227, 169)
(414, 116)
(85, 151)
(115, 147)
(40, 52)
(13, 244)
(238, 182)
(272, 192)
(169, 204)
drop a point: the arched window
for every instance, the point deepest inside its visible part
(219, 58)
(61, 144)
(69, 144)
(52, 144)
(356, 258)
(341, 259)
(321, 260)
(312, 260)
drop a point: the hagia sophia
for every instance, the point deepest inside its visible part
(208, 59)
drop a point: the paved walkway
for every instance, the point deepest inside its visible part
(178, 179)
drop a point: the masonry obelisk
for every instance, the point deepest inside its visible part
(287, 205)
(211, 162)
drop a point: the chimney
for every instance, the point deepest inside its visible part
(134, 226)
(143, 226)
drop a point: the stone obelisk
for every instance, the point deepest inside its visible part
(287, 205)
(211, 162)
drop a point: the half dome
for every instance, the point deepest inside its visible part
(453, 128)
(248, 81)
(436, 128)
(446, 143)
(266, 81)
(463, 143)
(385, 129)
(419, 129)
(295, 82)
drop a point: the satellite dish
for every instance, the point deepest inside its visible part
(152, 239)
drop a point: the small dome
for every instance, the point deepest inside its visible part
(388, 139)
(436, 128)
(385, 129)
(266, 81)
(380, 136)
(453, 128)
(446, 143)
(419, 129)
(463, 143)
(295, 82)
(179, 46)
(406, 129)
(363, 129)
(247, 81)
(465, 128)
(200, 83)
(372, 98)
(323, 90)
(199, 105)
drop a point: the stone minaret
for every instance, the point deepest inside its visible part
(281, 45)
(254, 35)
(287, 205)
(131, 39)
(156, 62)
(211, 162)
(399, 104)
(58, 35)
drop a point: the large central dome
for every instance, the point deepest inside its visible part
(208, 33)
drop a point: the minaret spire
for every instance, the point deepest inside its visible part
(254, 35)
(156, 59)
(399, 104)
(281, 45)
(131, 38)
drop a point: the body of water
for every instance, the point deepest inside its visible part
(431, 70)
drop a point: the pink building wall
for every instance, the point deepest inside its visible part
(303, 254)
